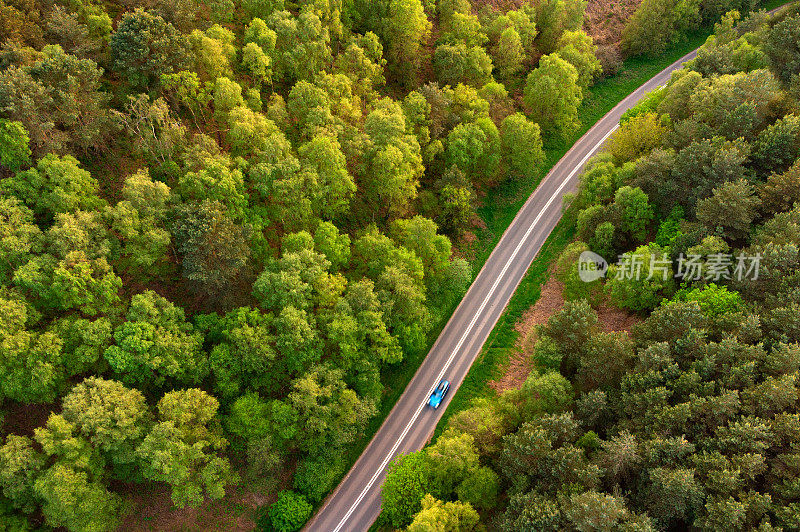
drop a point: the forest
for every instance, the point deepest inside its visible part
(223, 223)
(690, 420)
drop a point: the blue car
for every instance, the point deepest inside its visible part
(438, 394)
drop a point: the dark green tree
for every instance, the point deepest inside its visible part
(145, 47)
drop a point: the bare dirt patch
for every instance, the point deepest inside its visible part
(151, 509)
(22, 419)
(605, 19)
(550, 301)
(613, 319)
(519, 362)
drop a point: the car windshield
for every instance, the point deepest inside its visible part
(441, 387)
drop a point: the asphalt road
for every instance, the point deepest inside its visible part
(355, 504)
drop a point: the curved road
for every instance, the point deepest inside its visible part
(355, 504)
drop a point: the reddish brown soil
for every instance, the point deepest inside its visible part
(21, 419)
(613, 319)
(550, 301)
(519, 363)
(151, 509)
(606, 18)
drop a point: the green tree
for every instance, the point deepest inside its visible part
(213, 248)
(681, 179)
(316, 477)
(214, 52)
(184, 448)
(641, 288)
(14, 145)
(726, 52)
(227, 96)
(139, 219)
(394, 158)
(636, 137)
(449, 462)
(532, 511)
(782, 48)
(155, 344)
(522, 146)
(58, 101)
(262, 8)
(405, 31)
(398, 276)
(19, 237)
(302, 46)
(552, 96)
(334, 245)
(736, 107)
(655, 24)
(113, 418)
(289, 512)
(299, 280)
(243, 356)
(553, 18)
(480, 488)
(457, 208)
(145, 47)
(249, 417)
(781, 191)
(509, 54)
(730, 210)
(70, 498)
(22, 22)
(83, 342)
(76, 281)
(258, 63)
(20, 464)
(371, 330)
(214, 180)
(405, 485)
(542, 453)
(310, 108)
(475, 149)
(578, 49)
(548, 393)
(487, 423)
(362, 61)
(458, 63)
(155, 132)
(672, 495)
(633, 211)
(56, 184)
(330, 415)
(253, 135)
(297, 339)
(778, 146)
(592, 510)
(31, 361)
(446, 516)
(419, 235)
(323, 156)
(716, 301)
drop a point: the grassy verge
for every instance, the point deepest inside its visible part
(499, 208)
(498, 347)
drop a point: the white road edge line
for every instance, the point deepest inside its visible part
(469, 329)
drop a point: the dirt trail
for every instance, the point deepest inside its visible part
(550, 301)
